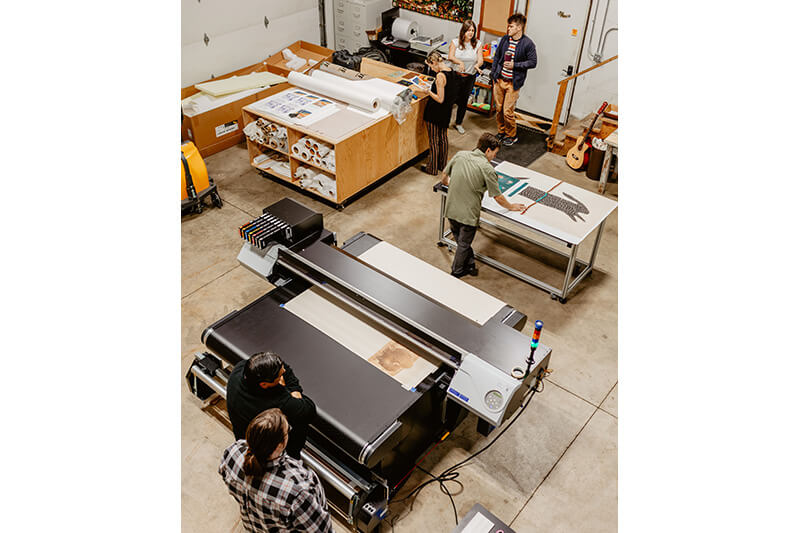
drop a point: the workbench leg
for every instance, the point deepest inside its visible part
(597, 243)
(441, 221)
(568, 275)
(601, 188)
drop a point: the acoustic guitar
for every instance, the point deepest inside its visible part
(578, 155)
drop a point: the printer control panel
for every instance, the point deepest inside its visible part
(494, 400)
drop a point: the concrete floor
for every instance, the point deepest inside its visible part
(554, 470)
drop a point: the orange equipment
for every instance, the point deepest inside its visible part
(195, 183)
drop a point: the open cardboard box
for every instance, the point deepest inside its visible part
(221, 128)
(277, 64)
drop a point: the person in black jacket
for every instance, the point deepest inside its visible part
(515, 54)
(262, 382)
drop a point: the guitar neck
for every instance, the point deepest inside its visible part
(589, 129)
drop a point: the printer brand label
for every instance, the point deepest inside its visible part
(457, 394)
(226, 128)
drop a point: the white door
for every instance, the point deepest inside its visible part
(556, 28)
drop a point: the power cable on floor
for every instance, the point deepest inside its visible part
(451, 474)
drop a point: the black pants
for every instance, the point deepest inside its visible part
(464, 260)
(465, 85)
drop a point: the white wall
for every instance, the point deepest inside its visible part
(237, 34)
(600, 84)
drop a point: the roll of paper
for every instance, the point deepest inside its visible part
(296, 147)
(338, 89)
(388, 93)
(404, 29)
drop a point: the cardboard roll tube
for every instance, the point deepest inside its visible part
(307, 142)
(317, 160)
(323, 150)
(319, 146)
(296, 147)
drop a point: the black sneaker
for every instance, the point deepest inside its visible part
(473, 272)
(508, 141)
(500, 136)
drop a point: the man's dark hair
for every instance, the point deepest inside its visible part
(264, 433)
(263, 366)
(487, 142)
(518, 18)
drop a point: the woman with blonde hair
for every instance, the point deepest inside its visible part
(466, 57)
(438, 110)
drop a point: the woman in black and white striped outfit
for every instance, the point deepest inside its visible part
(437, 112)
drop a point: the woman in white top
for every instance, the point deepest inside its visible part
(466, 57)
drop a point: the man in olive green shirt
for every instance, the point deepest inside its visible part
(468, 175)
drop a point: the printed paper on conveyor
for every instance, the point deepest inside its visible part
(438, 285)
(346, 328)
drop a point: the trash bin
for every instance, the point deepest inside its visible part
(596, 156)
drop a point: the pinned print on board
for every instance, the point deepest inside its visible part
(457, 10)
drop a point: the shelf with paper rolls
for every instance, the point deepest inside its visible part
(361, 157)
(313, 179)
(314, 152)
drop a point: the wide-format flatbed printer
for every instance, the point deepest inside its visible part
(393, 351)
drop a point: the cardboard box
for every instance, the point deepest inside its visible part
(277, 64)
(221, 128)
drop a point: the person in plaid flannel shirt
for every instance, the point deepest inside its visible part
(275, 492)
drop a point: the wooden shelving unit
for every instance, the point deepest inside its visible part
(488, 87)
(363, 156)
(294, 134)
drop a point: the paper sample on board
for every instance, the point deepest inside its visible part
(346, 328)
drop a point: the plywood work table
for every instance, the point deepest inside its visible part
(364, 154)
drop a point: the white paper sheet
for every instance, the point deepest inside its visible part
(297, 106)
(439, 286)
(351, 332)
(478, 524)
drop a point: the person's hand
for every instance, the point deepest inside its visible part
(517, 207)
(296, 394)
(508, 64)
(461, 67)
(282, 381)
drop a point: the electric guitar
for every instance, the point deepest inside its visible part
(578, 155)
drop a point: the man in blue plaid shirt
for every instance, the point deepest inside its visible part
(275, 492)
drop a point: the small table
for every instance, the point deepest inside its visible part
(560, 211)
(479, 520)
(613, 147)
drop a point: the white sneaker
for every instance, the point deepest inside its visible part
(459, 129)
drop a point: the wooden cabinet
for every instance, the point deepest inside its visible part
(362, 157)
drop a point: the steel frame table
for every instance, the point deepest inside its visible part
(572, 256)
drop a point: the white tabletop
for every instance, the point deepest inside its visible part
(613, 139)
(566, 212)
